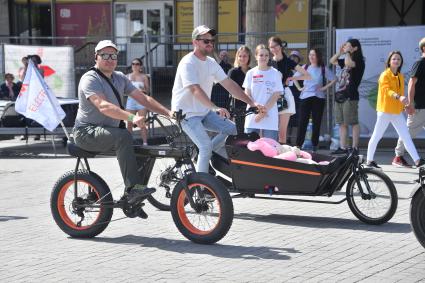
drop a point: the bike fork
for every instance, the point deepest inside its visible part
(75, 174)
(365, 192)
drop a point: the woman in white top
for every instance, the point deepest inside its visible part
(141, 81)
(264, 85)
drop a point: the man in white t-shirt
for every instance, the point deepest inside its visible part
(194, 80)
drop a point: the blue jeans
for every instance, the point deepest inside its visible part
(266, 133)
(196, 128)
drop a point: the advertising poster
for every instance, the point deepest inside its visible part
(57, 63)
(293, 15)
(228, 18)
(83, 19)
(376, 45)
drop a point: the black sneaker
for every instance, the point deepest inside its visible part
(138, 193)
(340, 151)
(420, 163)
(373, 164)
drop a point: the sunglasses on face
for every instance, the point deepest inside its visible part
(206, 41)
(106, 56)
(135, 64)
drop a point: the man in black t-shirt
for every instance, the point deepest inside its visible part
(416, 106)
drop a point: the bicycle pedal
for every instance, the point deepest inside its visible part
(141, 213)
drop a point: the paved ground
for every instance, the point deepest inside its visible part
(269, 240)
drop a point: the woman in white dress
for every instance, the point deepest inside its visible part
(141, 81)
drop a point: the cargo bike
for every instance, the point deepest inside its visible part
(201, 204)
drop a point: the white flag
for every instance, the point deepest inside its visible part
(36, 101)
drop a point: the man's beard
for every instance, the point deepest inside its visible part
(205, 52)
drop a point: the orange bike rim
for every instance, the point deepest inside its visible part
(181, 203)
(62, 210)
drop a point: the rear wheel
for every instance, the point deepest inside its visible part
(211, 218)
(73, 214)
(165, 175)
(417, 215)
(378, 206)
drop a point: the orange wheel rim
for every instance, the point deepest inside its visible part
(62, 209)
(182, 202)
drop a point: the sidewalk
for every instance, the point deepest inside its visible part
(269, 241)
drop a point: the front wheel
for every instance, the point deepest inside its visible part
(211, 217)
(417, 215)
(83, 215)
(377, 206)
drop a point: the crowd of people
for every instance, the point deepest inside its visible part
(286, 90)
(304, 88)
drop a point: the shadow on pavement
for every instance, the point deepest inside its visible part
(325, 222)
(4, 218)
(217, 250)
(34, 150)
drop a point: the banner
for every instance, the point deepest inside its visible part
(36, 101)
(57, 62)
(376, 45)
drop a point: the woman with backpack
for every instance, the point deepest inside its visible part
(313, 96)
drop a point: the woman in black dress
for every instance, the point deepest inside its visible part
(286, 67)
(241, 66)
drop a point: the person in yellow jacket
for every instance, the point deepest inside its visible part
(390, 105)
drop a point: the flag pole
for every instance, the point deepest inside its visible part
(65, 131)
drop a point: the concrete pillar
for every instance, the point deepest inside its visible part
(260, 19)
(4, 18)
(205, 12)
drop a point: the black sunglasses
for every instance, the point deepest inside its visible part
(106, 56)
(206, 41)
(136, 64)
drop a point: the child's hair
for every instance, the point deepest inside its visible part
(259, 47)
(241, 49)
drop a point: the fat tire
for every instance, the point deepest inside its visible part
(391, 188)
(103, 191)
(417, 215)
(224, 200)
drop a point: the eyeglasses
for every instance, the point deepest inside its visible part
(106, 56)
(206, 41)
(135, 64)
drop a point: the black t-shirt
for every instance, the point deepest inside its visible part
(418, 71)
(238, 76)
(355, 77)
(285, 67)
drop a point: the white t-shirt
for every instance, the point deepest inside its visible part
(311, 86)
(191, 71)
(262, 85)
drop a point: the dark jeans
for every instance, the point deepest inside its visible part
(314, 106)
(107, 139)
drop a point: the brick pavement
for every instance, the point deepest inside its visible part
(269, 240)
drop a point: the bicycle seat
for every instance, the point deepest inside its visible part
(76, 151)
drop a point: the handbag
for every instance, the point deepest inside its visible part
(282, 103)
(341, 95)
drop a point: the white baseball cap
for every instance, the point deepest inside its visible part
(105, 43)
(203, 29)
